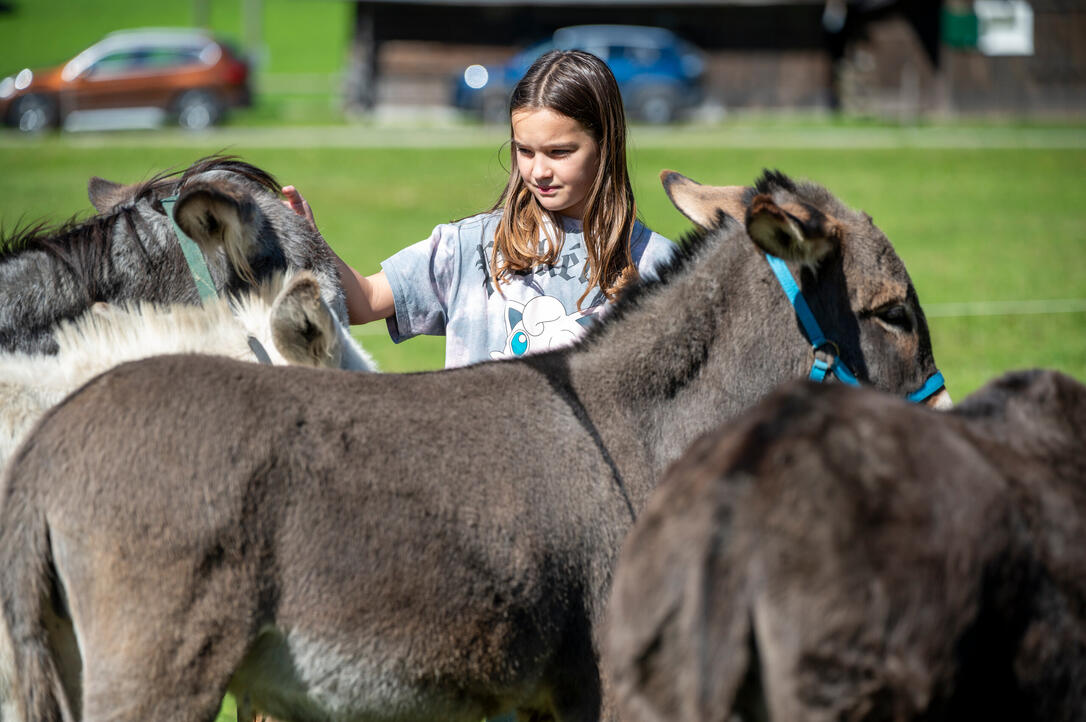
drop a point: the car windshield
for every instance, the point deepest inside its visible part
(105, 60)
(638, 55)
(145, 59)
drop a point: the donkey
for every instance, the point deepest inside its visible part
(420, 546)
(282, 321)
(839, 554)
(130, 252)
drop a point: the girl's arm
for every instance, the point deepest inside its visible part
(369, 298)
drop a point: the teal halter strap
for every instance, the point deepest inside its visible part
(822, 368)
(193, 256)
(202, 277)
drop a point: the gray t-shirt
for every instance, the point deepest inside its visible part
(442, 286)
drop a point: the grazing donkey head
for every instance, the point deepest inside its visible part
(130, 251)
(839, 554)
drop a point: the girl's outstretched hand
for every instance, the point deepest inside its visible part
(294, 201)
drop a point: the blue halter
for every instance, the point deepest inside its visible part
(835, 365)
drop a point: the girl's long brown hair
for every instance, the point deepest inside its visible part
(578, 85)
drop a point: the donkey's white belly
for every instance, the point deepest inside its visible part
(298, 677)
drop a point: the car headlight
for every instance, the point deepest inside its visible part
(476, 77)
(7, 87)
(23, 79)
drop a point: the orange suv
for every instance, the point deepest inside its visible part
(153, 75)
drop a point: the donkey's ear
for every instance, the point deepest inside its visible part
(793, 231)
(703, 204)
(217, 216)
(105, 195)
(302, 325)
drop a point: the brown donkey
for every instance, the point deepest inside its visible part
(837, 554)
(412, 547)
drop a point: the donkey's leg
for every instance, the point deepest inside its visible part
(164, 646)
(574, 678)
(134, 681)
(137, 680)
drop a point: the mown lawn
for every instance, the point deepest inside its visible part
(973, 225)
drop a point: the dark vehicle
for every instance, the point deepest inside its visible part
(658, 73)
(184, 75)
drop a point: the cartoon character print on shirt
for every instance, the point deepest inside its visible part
(540, 324)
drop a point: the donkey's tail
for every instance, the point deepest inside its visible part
(26, 587)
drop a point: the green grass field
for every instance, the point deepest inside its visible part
(978, 226)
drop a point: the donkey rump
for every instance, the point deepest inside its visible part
(840, 554)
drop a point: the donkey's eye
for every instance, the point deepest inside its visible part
(897, 316)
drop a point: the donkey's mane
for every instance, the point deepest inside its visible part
(807, 191)
(234, 165)
(36, 234)
(45, 236)
(100, 339)
(82, 244)
(691, 246)
(138, 323)
(772, 180)
(170, 180)
(694, 241)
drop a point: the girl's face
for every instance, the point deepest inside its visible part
(557, 159)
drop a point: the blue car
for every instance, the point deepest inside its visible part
(658, 73)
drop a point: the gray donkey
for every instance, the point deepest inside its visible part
(130, 252)
(411, 547)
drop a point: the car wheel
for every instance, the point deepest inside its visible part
(656, 106)
(35, 113)
(198, 109)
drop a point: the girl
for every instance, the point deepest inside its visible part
(558, 245)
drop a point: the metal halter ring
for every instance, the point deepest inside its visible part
(836, 350)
